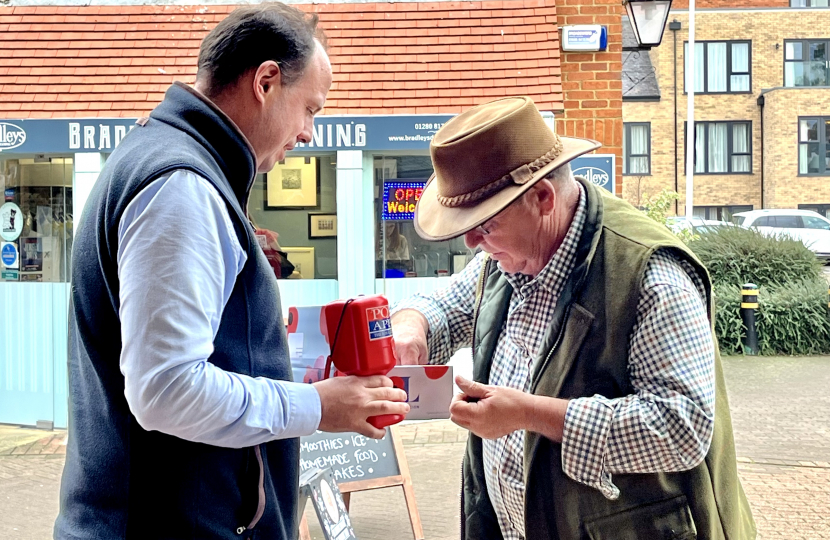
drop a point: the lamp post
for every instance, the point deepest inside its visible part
(648, 20)
(691, 129)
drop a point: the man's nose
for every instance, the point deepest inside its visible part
(472, 238)
(305, 134)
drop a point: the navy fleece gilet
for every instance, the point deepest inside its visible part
(121, 481)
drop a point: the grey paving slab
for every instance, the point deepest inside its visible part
(781, 416)
(780, 407)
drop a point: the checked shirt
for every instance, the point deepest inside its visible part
(665, 426)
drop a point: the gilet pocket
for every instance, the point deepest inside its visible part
(663, 520)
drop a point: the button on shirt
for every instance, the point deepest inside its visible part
(178, 260)
(665, 426)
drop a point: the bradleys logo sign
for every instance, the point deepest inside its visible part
(597, 169)
(11, 136)
(596, 176)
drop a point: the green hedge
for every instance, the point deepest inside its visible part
(790, 319)
(792, 316)
(735, 255)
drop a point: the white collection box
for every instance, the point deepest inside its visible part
(429, 388)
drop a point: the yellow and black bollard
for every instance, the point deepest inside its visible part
(749, 303)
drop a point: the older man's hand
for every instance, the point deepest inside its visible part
(489, 411)
(495, 411)
(409, 329)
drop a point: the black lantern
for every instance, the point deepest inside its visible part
(648, 20)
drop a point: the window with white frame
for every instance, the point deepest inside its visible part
(807, 62)
(723, 147)
(720, 67)
(637, 148)
(814, 146)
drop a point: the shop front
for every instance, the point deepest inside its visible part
(46, 166)
(336, 214)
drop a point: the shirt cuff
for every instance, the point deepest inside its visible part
(585, 441)
(304, 410)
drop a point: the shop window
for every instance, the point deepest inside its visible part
(807, 62)
(720, 67)
(723, 148)
(294, 211)
(36, 215)
(399, 251)
(814, 146)
(637, 148)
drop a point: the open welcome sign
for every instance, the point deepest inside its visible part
(399, 200)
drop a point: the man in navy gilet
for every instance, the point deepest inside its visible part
(184, 422)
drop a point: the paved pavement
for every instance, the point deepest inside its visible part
(781, 417)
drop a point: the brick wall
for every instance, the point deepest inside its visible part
(783, 187)
(592, 82)
(765, 30)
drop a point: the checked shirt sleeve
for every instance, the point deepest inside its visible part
(667, 424)
(449, 312)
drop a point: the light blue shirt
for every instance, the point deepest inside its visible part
(178, 260)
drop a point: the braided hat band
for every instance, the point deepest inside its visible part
(517, 176)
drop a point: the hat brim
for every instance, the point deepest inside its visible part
(435, 222)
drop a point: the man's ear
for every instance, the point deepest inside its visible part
(544, 195)
(267, 79)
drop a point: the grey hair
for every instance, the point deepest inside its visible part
(561, 174)
(253, 34)
(557, 177)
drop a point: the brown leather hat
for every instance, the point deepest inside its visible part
(485, 158)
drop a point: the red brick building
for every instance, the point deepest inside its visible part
(74, 78)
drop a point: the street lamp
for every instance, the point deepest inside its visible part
(648, 20)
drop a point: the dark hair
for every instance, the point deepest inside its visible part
(252, 35)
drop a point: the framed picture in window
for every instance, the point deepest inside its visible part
(322, 225)
(303, 260)
(292, 183)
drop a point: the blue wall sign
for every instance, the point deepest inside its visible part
(399, 199)
(598, 169)
(8, 254)
(63, 136)
(585, 37)
(373, 132)
(330, 133)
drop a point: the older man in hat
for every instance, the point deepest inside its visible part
(598, 408)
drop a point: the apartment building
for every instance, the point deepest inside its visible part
(762, 108)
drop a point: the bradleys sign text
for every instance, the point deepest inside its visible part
(11, 136)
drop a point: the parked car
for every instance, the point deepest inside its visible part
(678, 223)
(810, 227)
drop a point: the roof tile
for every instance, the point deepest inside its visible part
(118, 60)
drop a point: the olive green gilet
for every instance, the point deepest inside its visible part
(584, 353)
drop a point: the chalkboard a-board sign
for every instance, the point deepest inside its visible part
(350, 456)
(359, 463)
